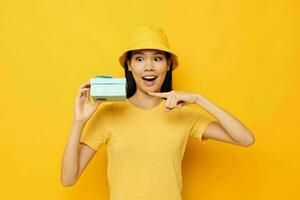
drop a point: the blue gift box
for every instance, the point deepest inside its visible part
(109, 88)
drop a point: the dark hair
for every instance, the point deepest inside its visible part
(131, 85)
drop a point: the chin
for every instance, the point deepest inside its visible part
(151, 89)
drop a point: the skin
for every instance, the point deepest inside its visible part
(144, 62)
(77, 156)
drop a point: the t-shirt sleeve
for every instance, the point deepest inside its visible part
(200, 123)
(95, 132)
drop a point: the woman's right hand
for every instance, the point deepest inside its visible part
(84, 108)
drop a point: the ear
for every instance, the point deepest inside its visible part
(169, 63)
(128, 64)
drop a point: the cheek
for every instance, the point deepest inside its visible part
(137, 74)
(162, 70)
(162, 67)
(136, 68)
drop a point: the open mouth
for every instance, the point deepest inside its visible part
(149, 78)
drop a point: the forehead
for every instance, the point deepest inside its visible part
(148, 51)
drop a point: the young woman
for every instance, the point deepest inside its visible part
(146, 135)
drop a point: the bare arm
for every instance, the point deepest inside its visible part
(76, 157)
(215, 131)
(228, 128)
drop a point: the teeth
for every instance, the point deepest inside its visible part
(149, 76)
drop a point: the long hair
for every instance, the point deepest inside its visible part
(131, 85)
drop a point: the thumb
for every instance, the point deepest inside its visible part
(97, 103)
(180, 104)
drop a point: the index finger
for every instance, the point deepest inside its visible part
(159, 94)
(86, 84)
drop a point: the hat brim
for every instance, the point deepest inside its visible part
(149, 45)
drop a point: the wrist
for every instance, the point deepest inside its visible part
(79, 122)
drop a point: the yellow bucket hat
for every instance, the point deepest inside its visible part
(148, 37)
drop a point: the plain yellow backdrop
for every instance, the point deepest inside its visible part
(241, 55)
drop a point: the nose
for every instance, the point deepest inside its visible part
(149, 65)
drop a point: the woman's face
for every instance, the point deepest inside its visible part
(149, 68)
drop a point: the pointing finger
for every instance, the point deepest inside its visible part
(159, 94)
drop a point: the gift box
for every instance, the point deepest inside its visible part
(109, 88)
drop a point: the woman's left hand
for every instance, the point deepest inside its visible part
(176, 99)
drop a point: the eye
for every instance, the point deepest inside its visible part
(139, 58)
(158, 58)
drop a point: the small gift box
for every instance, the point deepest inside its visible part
(109, 88)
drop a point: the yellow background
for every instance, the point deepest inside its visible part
(242, 55)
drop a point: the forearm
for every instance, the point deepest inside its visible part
(234, 128)
(70, 162)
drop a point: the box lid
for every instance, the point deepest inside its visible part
(107, 80)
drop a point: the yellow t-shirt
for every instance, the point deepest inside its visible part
(145, 147)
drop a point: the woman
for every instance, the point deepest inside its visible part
(146, 135)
